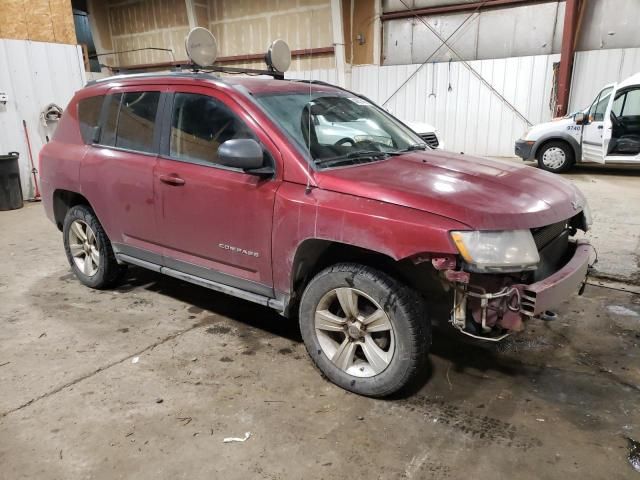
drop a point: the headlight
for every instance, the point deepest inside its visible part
(525, 134)
(497, 251)
(588, 219)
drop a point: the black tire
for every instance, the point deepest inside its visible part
(108, 271)
(405, 310)
(567, 151)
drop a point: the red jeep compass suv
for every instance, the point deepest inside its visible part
(311, 200)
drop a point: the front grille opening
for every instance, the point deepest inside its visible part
(543, 236)
(430, 139)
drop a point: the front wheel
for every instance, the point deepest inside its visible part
(364, 330)
(88, 249)
(556, 157)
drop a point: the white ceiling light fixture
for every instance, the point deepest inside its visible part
(201, 47)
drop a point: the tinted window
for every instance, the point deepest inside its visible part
(88, 115)
(200, 124)
(136, 121)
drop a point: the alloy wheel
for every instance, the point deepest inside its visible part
(354, 332)
(84, 248)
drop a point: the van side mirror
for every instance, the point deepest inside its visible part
(579, 118)
(245, 154)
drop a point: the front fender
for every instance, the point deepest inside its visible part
(392, 230)
(577, 149)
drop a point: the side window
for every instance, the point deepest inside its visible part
(136, 121)
(631, 107)
(618, 104)
(88, 115)
(200, 124)
(600, 105)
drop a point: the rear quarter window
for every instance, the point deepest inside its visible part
(88, 116)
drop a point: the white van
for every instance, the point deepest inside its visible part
(606, 132)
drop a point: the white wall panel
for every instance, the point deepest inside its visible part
(34, 74)
(470, 116)
(594, 69)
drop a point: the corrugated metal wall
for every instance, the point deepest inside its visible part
(498, 33)
(594, 69)
(34, 74)
(470, 117)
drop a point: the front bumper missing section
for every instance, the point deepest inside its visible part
(508, 306)
(553, 290)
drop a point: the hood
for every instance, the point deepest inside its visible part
(555, 125)
(483, 194)
(420, 127)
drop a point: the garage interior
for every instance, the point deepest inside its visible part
(148, 379)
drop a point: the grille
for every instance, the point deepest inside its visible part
(431, 139)
(544, 235)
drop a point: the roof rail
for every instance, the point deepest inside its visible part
(147, 75)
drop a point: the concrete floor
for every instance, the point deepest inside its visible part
(555, 402)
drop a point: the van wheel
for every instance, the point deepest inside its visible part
(556, 157)
(364, 330)
(88, 249)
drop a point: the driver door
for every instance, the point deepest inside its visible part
(592, 132)
(214, 221)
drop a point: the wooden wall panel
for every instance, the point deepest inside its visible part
(241, 27)
(38, 20)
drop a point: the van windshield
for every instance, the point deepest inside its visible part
(339, 129)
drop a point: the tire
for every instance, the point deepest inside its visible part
(331, 334)
(102, 270)
(556, 157)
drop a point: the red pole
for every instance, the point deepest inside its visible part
(34, 171)
(566, 56)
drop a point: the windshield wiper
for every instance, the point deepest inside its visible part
(349, 157)
(414, 146)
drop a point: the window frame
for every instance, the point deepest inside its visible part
(157, 130)
(234, 108)
(596, 102)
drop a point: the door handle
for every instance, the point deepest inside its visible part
(172, 180)
(600, 127)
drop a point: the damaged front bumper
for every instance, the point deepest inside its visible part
(491, 307)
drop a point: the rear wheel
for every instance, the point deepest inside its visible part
(88, 249)
(556, 157)
(364, 330)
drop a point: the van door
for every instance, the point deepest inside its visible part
(592, 132)
(622, 127)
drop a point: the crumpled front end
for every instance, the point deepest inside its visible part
(490, 306)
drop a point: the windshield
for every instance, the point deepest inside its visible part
(339, 129)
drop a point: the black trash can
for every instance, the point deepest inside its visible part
(10, 186)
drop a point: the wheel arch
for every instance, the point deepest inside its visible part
(63, 201)
(314, 255)
(558, 137)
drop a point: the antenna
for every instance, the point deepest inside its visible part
(201, 47)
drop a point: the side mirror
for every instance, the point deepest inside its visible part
(579, 118)
(244, 153)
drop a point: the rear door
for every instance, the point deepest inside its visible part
(117, 172)
(592, 132)
(214, 222)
